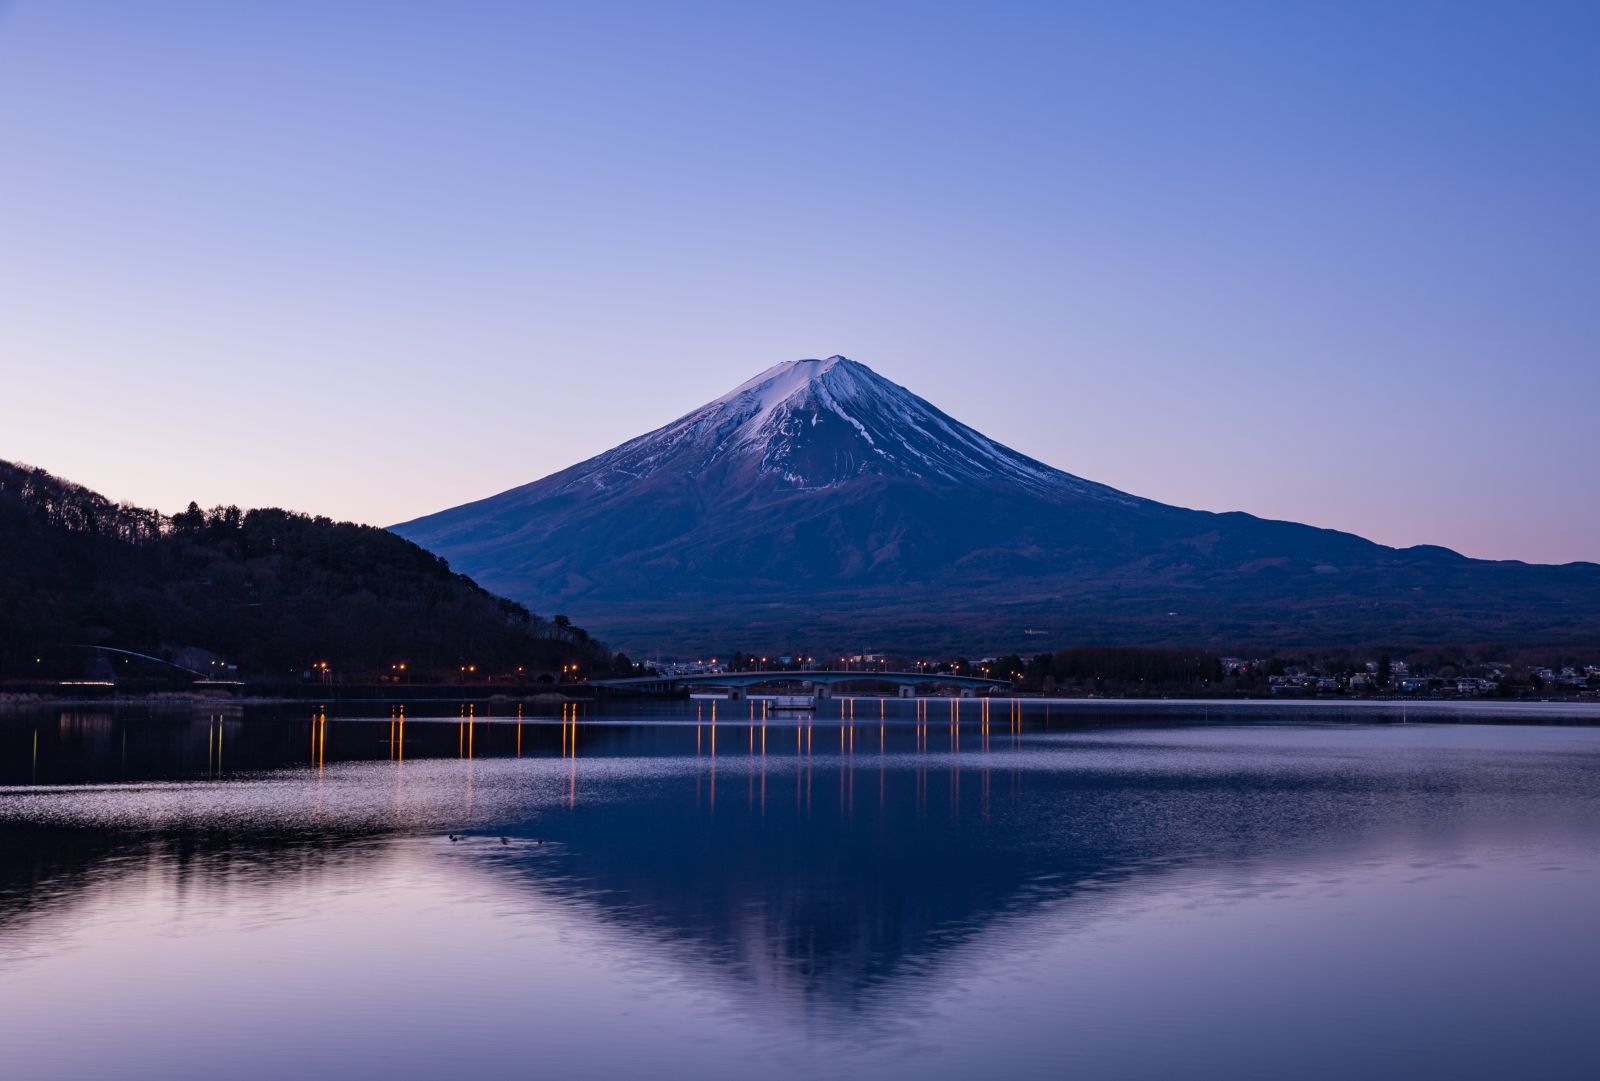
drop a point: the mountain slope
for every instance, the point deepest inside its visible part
(822, 504)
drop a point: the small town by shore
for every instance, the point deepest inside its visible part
(1092, 674)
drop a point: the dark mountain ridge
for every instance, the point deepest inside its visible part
(821, 504)
(269, 590)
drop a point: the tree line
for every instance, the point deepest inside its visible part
(274, 592)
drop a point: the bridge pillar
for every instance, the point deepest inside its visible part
(907, 691)
(736, 694)
(821, 690)
(968, 692)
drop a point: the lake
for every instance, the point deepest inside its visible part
(911, 890)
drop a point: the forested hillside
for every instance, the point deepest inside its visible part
(269, 590)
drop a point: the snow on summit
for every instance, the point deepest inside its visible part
(780, 381)
(811, 424)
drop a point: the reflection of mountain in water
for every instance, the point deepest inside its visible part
(817, 879)
(836, 896)
(845, 880)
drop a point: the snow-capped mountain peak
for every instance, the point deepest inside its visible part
(781, 380)
(821, 502)
(811, 424)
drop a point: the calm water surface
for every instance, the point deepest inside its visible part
(1084, 890)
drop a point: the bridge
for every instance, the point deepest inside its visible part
(110, 678)
(131, 655)
(821, 684)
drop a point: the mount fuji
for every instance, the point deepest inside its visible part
(821, 506)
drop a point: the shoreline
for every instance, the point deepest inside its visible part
(176, 699)
(1586, 706)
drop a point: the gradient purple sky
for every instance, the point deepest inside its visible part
(1335, 263)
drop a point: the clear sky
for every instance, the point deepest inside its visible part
(1336, 262)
